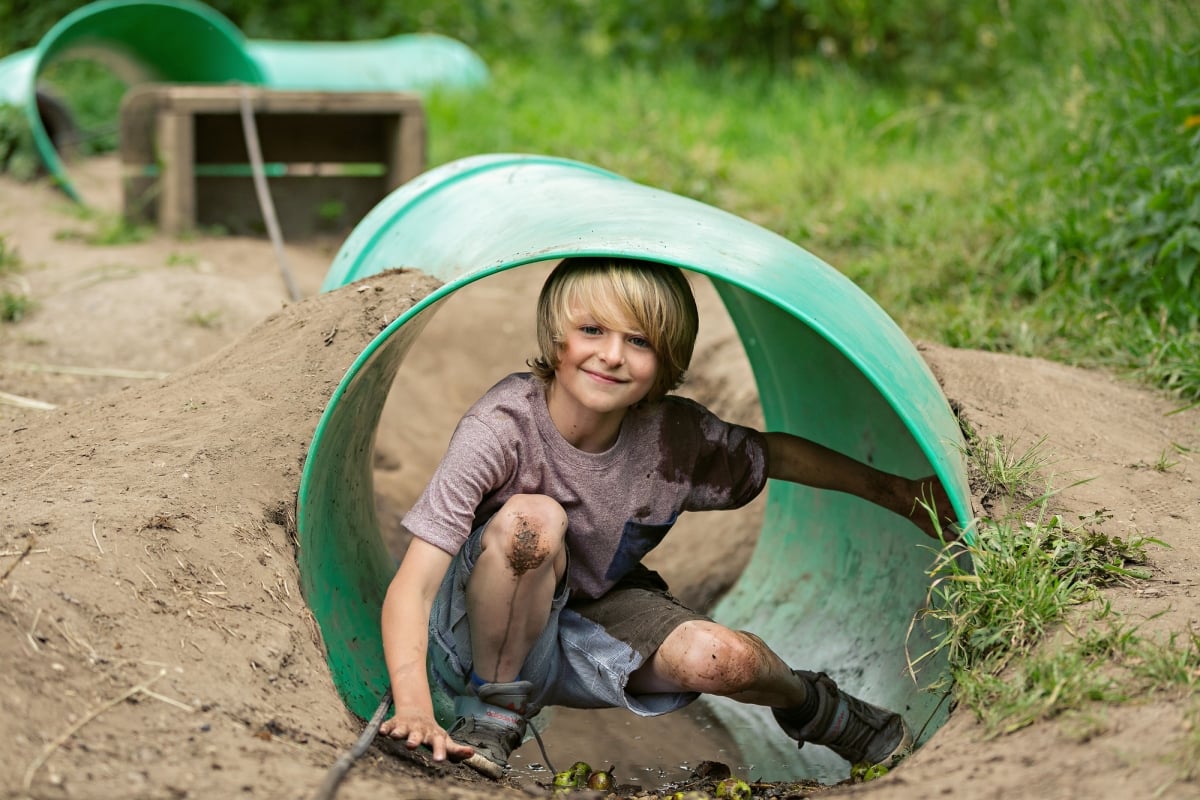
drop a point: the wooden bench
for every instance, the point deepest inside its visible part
(329, 157)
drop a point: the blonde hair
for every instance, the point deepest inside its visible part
(654, 297)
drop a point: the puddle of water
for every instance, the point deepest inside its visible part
(647, 753)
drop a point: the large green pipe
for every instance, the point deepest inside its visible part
(182, 41)
(833, 582)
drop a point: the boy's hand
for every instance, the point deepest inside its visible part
(928, 491)
(418, 729)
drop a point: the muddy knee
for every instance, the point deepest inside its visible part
(713, 659)
(528, 533)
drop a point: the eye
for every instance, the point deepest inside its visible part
(590, 329)
(640, 342)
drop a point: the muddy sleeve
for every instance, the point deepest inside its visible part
(730, 466)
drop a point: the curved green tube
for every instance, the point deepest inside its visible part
(833, 582)
(183, 41)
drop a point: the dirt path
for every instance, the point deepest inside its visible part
(144, 548)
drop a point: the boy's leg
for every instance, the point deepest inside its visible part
(702, 656)
(509, 597)
(511, 588)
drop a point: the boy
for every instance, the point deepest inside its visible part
(523, 585)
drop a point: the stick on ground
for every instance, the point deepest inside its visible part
(338, 771)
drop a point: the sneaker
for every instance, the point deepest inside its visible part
(854, 729)
(492, 722)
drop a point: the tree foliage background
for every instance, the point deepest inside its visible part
(940, 42)
(1080, 240)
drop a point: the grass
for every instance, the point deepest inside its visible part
(1050, 212)
(189, 260)
(13, 306)
(204, 319)
(107, 229)
(1021, 614)
(15, 302)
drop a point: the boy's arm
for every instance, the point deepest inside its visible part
(792, 458)
(405, 624)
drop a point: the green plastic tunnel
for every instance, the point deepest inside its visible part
(180, 41)
(833, 582)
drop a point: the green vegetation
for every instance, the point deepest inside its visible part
(14, 292)
(10, 261)
(204, 319)
(107, 229)
(94, 112)
(183, 260)
(13, 306)
(1019, 611)
(1016, 177)
(1048, 209)
(17, 154)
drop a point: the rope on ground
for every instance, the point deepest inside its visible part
(250, 130)
(338, 771)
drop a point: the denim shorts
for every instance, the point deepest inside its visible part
(584, 656)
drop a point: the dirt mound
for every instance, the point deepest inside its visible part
(153, 640)
(146, 535)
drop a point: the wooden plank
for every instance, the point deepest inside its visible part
(408, 153)
(337, 150)
(177, 199)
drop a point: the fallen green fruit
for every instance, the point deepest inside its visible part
(734, 789)
(600, 781)
(581, 770)
(876, 771)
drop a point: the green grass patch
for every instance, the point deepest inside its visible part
(204, 319)
(190, 260)
(15, 302)
(1020, 613)
(106, 229)
(18, 156)
(14, 306)
(988, 192)
(10, 260)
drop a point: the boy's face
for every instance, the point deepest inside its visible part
(604, 369)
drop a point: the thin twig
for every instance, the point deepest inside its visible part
(96, 540)
(32, 628)
(338, 771)
(23, 555)
(49, 750)
(25, 402)
(171, 701)
(95, 372)
(152, 583)
(216, 576)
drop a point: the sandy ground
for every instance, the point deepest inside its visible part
(154, 640)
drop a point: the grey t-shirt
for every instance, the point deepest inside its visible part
(671, 456)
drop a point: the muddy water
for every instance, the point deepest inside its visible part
(646, 753)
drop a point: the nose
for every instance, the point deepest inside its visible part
(612, 350)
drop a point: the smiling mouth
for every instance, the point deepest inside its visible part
(602, 378)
